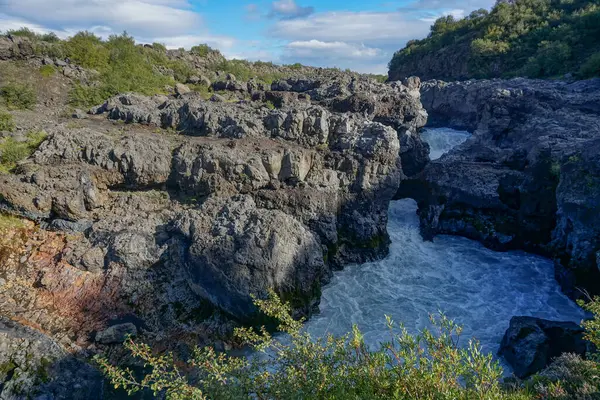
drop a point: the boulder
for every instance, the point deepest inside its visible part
(116, 334)
(530, 344)
(32, 363)
(181, 89)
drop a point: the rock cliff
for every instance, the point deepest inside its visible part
(165, 214)
(529, 176)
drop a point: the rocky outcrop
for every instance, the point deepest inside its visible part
(171, 224)
(527, 179)
(33, 365)
(530, 344)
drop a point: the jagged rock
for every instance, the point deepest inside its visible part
(79, 114)
(247, 250)
(530, 344)
(528, 177)
(116, 333)
(31, 364)
(178, 230)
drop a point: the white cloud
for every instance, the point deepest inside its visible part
(138, 17)
(289, 9)
(359, 27)
(318, 49)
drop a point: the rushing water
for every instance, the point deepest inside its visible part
(443, 139)
(479, 288)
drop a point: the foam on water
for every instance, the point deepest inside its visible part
(479, 288)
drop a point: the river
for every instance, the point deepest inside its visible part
(479, 288)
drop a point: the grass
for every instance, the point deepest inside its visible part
(18, 96)
(47, 71)
(13, 151)
(6, 122)
(10, 222)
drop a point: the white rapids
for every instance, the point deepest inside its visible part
(477, 287)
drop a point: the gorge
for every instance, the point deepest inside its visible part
(480, 288)
(162, 215)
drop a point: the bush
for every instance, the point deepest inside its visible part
(23, 32)
(591, 67)
(49, 37)
(88, 96)
(87, 50)
(161, 48)
(6, 122)
(426, 366)
(569, 377)
(201, 50)
(12, 151)
(127, 68)
(19, 96)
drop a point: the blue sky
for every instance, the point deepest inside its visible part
(355, 34)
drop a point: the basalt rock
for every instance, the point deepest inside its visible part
(530, 344)
(32, 364)
(529, 176)
(181, 227)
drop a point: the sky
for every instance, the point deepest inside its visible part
(360, 35)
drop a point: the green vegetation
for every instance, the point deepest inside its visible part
(12, 151)
(6, 122)
(246, 70)
(28, 33)
(201, 50)
(429, 365)
(47, 71)
(18, 96)
(535, 38)
(122, 66)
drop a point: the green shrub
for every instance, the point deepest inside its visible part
(23, 32)
(18, 96)
(591, 67)
(87, 50)
(127, 68)
(47, 70)
(569, 377)
(49, 37)
(6, 122)
(429, 365)
(161, 48)
(201, 50)
(12, 151)
(269, 104)
(540, 38)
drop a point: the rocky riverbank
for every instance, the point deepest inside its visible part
(529, 178)
(162, 215)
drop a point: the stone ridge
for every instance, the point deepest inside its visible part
(174, 219)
